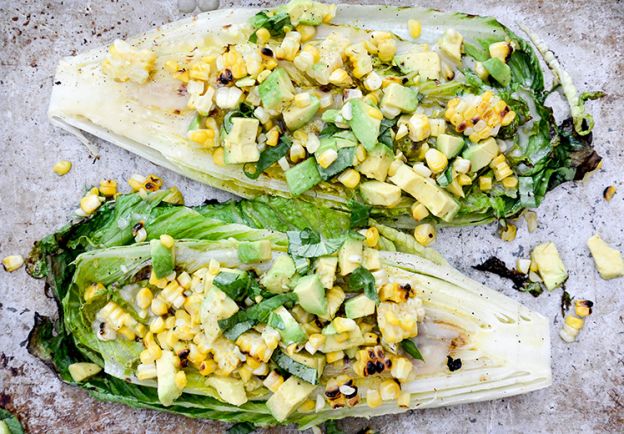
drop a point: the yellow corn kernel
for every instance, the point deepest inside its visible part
(307, 406)
(425, 234)
(315, 341)
(350, 178)
(207, 367)
(90, 203)
(436, 160)
(273, 381)
(404, 400)
(263, 75)
(157, 325)
(415, 28)
(136, 182)
(510, 182)
(62, 167)
(127, 332)
(419, 211)
(463, 179)
(159, 307)
(263, 36)
(485, 183)
(218, 157)
(340, 77)
(386, 50)
(375, 113)
(316, 54)
(373, 398)
(302, 99)
(94, 290)
(509, 233)
(370, 338)
(334, 356)
(144, 298)
(297, 153)
(146, 357)
(180, 380)
(326, 158)
(108, 187)
(389, 390)
(502, 50)
(167, 241)
(272, 136)
(509, 117)
(307, 32)
(583, 308)
(245, 373)
(371, 237)
(574, 322)
(171, 66)
(159, 283)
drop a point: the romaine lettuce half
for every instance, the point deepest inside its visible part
(542, 153)
(504, 347)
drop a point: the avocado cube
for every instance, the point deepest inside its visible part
(365, 127)
(303, 176)
(326, 270)
(316, 361)
(239, 145)
(168, 391)
(307, 12)
(359, 306)
(276, 280)
(163, 259)
(81, 371)
(380, 193)
(377, 162)
(481, 154)
(311, 294)
(276, 90)
(290, 395)
(289, 329)
(499, 70)
(609, 262)
(296, 117)
(419, 61)
(400, 97)
(250, 252)
(350, 255)
(230, 390)
(449, 145)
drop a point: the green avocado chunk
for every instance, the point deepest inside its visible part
(296, 117)
(499, 70)
(481, 154)
(311, 294)
(289, 329)
(276, 90)
(276, 280)
(449, 145)
(364, 126)
(359, 306)
(400, 97)
(163, 259)
(303, 176)
(239, 146)
(288, 397)
(377, 162)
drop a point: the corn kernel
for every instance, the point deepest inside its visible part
(136, 182)
(415, 28)
(167, 241)
(12, 263)
(463, 179)
(510, 182)
(326, 158)
(90, 203)
(386, 50)
(334, 356)
(307, 406)
(574, 322)
(127, 332)
(272, 136)
(108, 187)
(583, 308)
(218, 157)
(373, 398)
(157, 325)
(389, 390)
(263, 36)
(509, 233)
(371, 237)
(62, 167)
(485, 183)
(159, 307)
(144, 298)
(340, 77)
(436, 160)
(501, 50)
(297, 153)
(307, 32)
(94, 290)
(180, 380)
(404, 400)
(425, 234)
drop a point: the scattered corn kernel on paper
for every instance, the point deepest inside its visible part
(588, 388)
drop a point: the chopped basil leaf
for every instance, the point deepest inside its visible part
(363, 280)
(410, 348)
(310, 244)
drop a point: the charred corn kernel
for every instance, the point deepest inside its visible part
(463, 179)
(195, 356)
(157, 325)
(306, 32)
(373, 398)
(273, 381)
(326, 158)
(159, 307)
(343, 325)
(419, 211)
(127, 333)
(394, 292)
(389, 390)
(340, 78)
(415, 28)
(207, 367)
(123, 63)
(574, 322)
(297, 153)
(608, 193)
(180, 380)
(152, 183)
(167, 241)
(436, 160)
(108, 187)
(401, 368)
(272, 136)
(371, 237)
(94, 290)
(404, 400)
(501, 50)
(419, 127)
(90, 203)
(485, 183)
(144, 298)
(263, 36)
(12, 262)
(583, 308)
(334, 356)
(509, 233)
(360, 60)
(218, 157)
(371, 339)
(478, 116)
(425, 234)
(510, 182)
(62, 167)
(146, 371)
